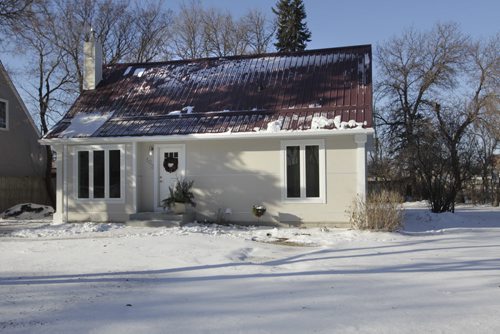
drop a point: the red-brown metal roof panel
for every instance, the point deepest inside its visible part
(234, 94)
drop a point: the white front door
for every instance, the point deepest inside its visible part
(169, 167)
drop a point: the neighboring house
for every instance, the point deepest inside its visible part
(288, 131)
(22, 164)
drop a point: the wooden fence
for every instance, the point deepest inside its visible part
(24, 189)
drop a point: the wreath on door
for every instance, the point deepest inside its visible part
(171, 164)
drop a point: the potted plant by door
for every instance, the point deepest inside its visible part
(180, 195)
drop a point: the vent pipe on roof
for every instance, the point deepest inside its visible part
(92, 61)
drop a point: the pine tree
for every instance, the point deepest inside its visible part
(292, 33)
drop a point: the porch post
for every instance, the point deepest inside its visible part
(133, 180)
(360, 140)
(59, 217)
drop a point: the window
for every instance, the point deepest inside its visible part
(83, 174)
(99, 173)
(303, 164)
(4, 117)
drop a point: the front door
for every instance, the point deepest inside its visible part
(170, 168)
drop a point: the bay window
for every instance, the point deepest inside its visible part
(99, 173)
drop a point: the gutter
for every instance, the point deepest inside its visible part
(205, 136)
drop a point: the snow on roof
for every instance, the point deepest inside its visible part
(127, 71)
(84, 125)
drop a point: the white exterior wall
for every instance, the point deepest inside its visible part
(235, 174)
(230, 174)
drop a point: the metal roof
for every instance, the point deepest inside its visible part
(234, 94)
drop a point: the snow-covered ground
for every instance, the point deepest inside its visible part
(440, 275)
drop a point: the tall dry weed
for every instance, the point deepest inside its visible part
(382, 211)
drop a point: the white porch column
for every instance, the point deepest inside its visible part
(360, 140)
(133, 180)
(59, 216)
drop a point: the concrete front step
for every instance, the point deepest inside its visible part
(158, 219)
(152, 223)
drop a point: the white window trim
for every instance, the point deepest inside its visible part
(91, 149)
(6, 128)
(322, 171)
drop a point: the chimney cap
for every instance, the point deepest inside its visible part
(90, 35)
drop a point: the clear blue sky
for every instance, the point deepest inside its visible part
(345, 22)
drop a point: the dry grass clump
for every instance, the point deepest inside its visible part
(382, 211)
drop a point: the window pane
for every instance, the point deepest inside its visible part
(293, 171)
(312, 171)
(3, 114)
(98, 174)
(83, 174)
(114, 174)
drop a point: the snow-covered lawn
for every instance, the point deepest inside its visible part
(440, 275)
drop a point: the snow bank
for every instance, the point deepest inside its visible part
(65, 230)
(420, 220)
(27, 211)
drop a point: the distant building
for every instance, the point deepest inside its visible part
(22, 160)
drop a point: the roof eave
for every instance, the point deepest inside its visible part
(204, 136)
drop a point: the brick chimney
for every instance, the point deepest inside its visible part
(92, 61)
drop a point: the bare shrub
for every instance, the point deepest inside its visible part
(381, 211)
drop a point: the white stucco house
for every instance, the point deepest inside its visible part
(285, 130)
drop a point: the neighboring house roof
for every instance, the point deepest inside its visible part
(308, 90)
(3, 72)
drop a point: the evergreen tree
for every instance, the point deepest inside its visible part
(292, 33)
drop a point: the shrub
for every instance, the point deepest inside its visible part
(181, 193)
(381, 211)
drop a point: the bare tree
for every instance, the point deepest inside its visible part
(139, 35)
(200, 32)
(219, 29)
(50, 91)
(437, 86)
(223, 35)
(11, 11)
(152, 31)
(259, 31)
(53, 38)
(478, 90)
(114, 23)
(486, 136)
(188, 37)
(69, 31)
(412, 67)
